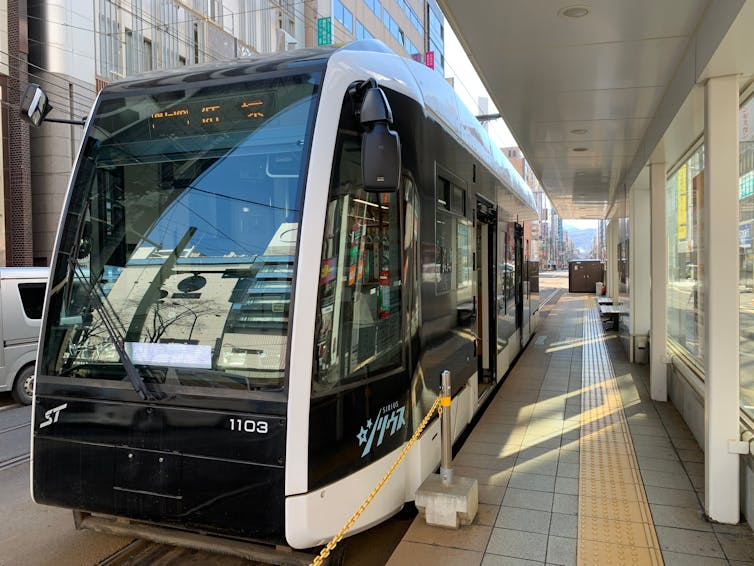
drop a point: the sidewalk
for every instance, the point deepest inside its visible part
(576, 465)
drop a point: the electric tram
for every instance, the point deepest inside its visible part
(261, 270)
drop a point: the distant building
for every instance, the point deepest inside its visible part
(74, 48)
(541, 248)
(414, 28)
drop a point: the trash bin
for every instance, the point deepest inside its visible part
(599, 288)
(641, 349)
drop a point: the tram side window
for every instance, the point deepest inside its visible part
(359, 305)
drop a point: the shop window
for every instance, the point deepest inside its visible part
(746, 254)
(685, 293)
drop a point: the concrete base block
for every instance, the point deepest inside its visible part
(448, 506)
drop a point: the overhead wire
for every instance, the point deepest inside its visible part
(59, 103)
(53, 79)
(154, 23)
(197, 17)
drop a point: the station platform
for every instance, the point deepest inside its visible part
(577, 465)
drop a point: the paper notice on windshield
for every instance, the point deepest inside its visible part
(170, 355)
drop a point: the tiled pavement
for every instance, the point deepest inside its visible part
(525, 452)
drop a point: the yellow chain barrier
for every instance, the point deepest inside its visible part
(337, 538)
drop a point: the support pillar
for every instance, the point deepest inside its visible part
(639, 268)
(720, 298)
(658, 377)
(611, 268)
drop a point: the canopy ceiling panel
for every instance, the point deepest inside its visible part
(580, 94)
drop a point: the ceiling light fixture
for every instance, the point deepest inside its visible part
(573, 11)
(579, 131)
(579, 149)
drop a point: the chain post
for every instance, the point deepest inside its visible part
(446, 436)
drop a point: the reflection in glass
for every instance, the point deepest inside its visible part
(183, 227)
(684, 191)
(506, 318)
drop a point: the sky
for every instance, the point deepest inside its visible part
(580, 224)
(469, 87)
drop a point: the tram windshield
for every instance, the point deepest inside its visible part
(181, 234)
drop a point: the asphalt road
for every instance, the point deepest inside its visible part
(31, 534)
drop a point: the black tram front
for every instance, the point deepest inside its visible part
(162, 392)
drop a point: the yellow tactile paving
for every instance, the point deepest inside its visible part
(610, 460)
(607, 491)
(631, 510)
(615, 524)
(613, 475)
(598, 554)
(623, 533)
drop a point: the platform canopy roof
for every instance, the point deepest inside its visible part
(594, 89)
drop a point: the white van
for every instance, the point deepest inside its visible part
(22, 294)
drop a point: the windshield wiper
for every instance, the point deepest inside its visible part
(118, 342)
(96, 294)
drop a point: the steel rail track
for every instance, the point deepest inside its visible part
(14, 427)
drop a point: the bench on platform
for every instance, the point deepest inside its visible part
(604, 300)
(613, 313)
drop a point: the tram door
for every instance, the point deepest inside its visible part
(518, 285)
(486, 297)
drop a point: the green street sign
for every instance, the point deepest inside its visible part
(324, 31)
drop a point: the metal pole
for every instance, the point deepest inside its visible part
(446, 439)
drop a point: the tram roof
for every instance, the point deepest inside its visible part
(231, 69)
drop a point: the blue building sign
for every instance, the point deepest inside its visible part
(744, 235)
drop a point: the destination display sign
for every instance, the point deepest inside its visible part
(224, 114)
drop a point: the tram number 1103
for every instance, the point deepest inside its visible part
(248, 425)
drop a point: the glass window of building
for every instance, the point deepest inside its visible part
(343, 15)
(411, 15)
(746, 253)
(362, 32)
(392, 26)
(130, 53)
(436, 41)
(685, 312)
(109, 40)
(147, 55)
(375, 6)
(411, 48)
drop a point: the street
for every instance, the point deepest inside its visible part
(40, 535)
(37, 534)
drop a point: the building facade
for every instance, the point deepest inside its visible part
(540, 246)
(73, 49)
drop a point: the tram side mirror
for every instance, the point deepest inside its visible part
(34, 105)
(380, 146)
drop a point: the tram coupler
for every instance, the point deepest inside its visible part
(446, 435)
